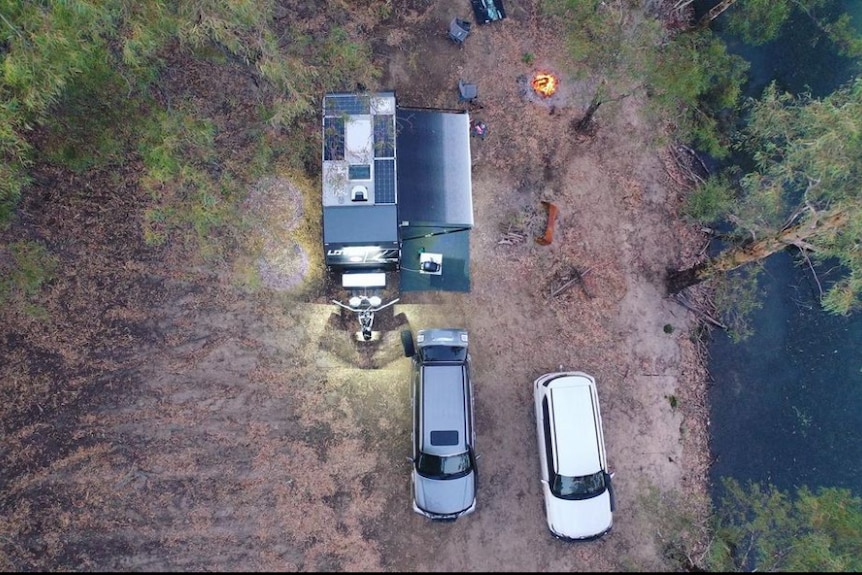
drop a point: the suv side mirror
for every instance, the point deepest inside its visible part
(612, 494)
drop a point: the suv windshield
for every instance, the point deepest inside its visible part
(578, 487)
(448, 467)
(444, 353)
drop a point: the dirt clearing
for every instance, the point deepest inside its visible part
(161, 418)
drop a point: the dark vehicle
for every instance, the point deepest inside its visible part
(444, 476)
(488, 10)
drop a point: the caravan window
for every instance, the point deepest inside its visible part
(359, 172)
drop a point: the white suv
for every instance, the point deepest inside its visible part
(579, 499)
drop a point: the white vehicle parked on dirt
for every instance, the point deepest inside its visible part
(579, 499)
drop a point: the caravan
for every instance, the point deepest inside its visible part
(397, 200)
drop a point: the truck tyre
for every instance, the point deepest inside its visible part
(407, 343)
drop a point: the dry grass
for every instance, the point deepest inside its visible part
(173, 413)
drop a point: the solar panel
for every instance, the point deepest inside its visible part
(347, 104)
(384, 181)
(333, 138)
(384, 136)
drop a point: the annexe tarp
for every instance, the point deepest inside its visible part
(434, 168)
(435, 203)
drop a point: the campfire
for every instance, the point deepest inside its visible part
(544, 84)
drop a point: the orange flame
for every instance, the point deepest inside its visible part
(544, 84)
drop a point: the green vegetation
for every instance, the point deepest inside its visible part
(805, 191)
(88, 80)
(46, 52)
(710, 202)
(761, 528)
(24, 268)
(690, 77)
(760, 21)
(596, 35)
(736, 295)
(176, 149)
(693, 81)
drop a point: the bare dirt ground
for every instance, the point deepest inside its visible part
(160, 418)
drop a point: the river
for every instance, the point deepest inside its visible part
(786, 404)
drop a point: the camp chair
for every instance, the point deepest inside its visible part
(459, 30)
(467, 92)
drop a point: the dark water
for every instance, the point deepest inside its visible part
(786, 404)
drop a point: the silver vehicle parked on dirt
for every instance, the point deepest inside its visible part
(579, 497)
(444, 476)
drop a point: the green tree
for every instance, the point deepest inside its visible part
(44, 49)
(760, 528)
(689, 79)
(596, 32)
(62, 56)
(759, 21)
(693, 81)
(754, 527)
(805, 191)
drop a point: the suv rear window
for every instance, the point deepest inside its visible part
(444, 353)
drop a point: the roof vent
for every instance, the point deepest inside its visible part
(359, 194)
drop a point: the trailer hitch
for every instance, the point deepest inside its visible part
(364, 308)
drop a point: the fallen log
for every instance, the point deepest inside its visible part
(548, 236)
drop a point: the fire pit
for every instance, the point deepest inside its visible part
(544, 84)
(543, 88)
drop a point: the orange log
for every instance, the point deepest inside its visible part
(552, 219)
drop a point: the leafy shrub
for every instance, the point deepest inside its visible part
(26, 267)
(710, 201)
